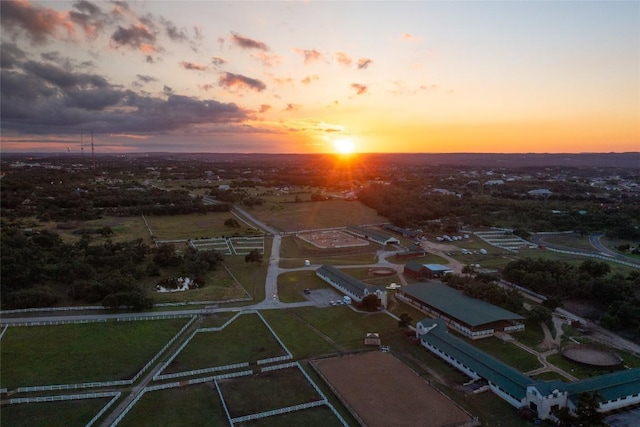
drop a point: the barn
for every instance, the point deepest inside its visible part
(471, 317)
(419, 271)
(617, 390)
(372, 235)
(349, 285)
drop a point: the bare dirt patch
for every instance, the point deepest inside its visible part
(332, 239)
(381, 391)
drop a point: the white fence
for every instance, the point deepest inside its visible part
(278, 411)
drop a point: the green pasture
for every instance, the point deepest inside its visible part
(508, 353)
(346, 327)
(246, 339)
(575, 369)
(532, 336)
(427, 259)
(292, 284)
(251, 276)
(192, 226)
(69, 354)
(297, 335)
(266, 391)
(125, 229)
(294, 251)
(319, 416)
(287, 216)
(52, 414)
(196, 405)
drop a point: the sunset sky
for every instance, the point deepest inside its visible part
(307, 77)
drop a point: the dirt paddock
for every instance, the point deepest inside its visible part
(332, 239)
(382, 391)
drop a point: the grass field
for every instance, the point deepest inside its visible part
(346, 327)
(292, 284)
(266, 391)
(209, 349)
(69, 354)
(196, 405)
(124, 229)
(192, 226)
(287, 216)
(297, 335)
(74, 413)
(508, 353)
(320, 416)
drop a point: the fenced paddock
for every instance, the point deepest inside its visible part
(380, 390)
(332, 239)
(230, 245)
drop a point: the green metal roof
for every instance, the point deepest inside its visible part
(348, 282)
(413, 266)
(504, 376)
(609, 387)
(374, 234)
(471, 311)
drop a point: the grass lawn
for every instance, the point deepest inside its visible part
(192, 226)
(578, 371)
(320, 416)
(246, 339)
(266, 391)
(251, 275)
(532, 335)
(427, 259)
(508, 353)
(292, 284)
(54, 414)
(346, 327)
(69, 354)
(196, 405)
(307, 215)
(299, 338)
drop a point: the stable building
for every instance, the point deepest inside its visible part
(349, 285)
(471, 317)
(372, 235)
(617, 390)
(419, 271)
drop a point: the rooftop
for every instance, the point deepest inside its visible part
(472, 311)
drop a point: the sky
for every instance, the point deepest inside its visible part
(320, 76)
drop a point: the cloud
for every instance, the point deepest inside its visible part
(307, 80)
(268, 60)
(146, 79)
(292, 107)
(217, 61)
(135, 36)
(11, 55)
(42, 98)
(191, 66)
(344, 59)
(231, 80)
(247, 43)
(264, 108)
(363, 63)
(37, 22)
(310, 55)
(407, 36)
(359, 88)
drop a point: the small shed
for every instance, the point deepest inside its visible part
(372, 338)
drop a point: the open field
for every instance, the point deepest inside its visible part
(509, 353)
(298, 336)
(196, 405)
(320, 416)
(192, 226)
(314, 215)
(291, 285)
(124, 229)
(383, 391)
(74, 413)
(203, 351)
(69, 354)
(266, 391)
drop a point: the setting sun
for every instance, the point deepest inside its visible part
(343, 146)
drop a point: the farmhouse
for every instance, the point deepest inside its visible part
(470, 316)
(373, 235)
(617, 390)
(349, 285)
